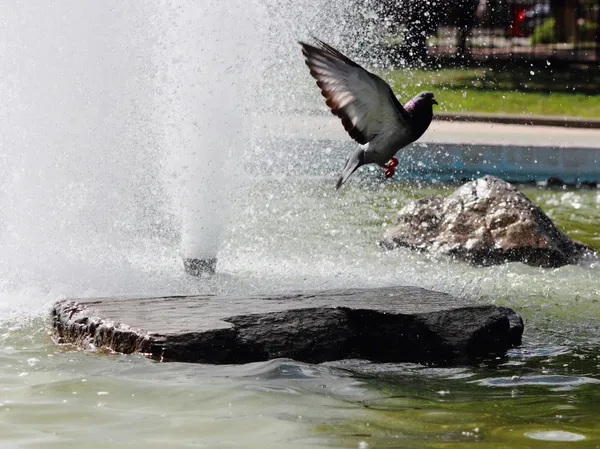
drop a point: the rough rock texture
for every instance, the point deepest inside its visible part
(486, 221)
(395, 324)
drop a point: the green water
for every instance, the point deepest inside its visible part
(307, 236)
(478, 406)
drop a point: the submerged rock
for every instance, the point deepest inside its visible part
(486, 221)
(394, 324)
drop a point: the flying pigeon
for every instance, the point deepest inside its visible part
(368, 108)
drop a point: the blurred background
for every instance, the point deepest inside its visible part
(485, 30)
(503, 49)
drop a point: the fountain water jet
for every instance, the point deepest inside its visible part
(118, 124)
(205, 68)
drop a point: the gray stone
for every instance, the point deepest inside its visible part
(395, 324)
(486, 221)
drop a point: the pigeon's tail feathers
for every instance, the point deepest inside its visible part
(353, 162)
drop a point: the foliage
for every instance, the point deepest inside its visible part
(545, 33)
(586, 31)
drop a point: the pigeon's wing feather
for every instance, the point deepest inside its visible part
(364, 102)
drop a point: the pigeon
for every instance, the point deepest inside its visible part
(368, 108)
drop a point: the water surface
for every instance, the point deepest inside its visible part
(303, 235)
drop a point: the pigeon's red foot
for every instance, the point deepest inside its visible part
(389, 173)
(393, 163)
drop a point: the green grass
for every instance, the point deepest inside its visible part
(513, 90)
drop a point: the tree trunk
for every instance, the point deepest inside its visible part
(419, 27)
(558, 11)
(465, 22)
(415, 45)
(463, 50)
(598, 32)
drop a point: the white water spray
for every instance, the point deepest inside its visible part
(118, 125)
(79, 182)
(205, 75)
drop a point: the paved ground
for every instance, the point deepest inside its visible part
(305, 126)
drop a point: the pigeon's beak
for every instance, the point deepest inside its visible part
(433, 101)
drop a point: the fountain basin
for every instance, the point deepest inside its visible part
(391, 324)
(455, 151)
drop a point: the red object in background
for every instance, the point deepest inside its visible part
(517, 21)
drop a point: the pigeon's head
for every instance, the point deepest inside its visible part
(426, 97)
(421, 104)
(420, 109)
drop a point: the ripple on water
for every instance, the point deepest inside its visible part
(542, 380)
(554, 435)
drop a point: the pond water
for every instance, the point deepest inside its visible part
(299, 234)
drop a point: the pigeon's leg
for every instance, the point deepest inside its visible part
(389, 168)
(393, 163)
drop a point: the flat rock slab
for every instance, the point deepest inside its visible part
(395, 324)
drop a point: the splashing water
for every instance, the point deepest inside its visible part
(79, 183)
(130, 140)
(131, 136)
(122, 128)
(116, 124)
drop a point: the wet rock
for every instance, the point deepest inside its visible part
(487, 221)
(395, 324)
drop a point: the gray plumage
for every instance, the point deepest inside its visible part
(367, 107)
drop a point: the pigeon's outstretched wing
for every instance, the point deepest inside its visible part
(365, 103)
